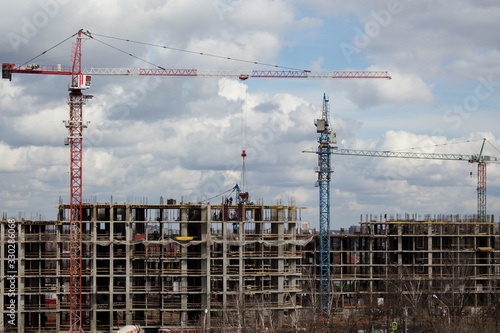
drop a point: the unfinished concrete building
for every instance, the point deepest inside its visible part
(194, 266)
(176, 266)
(450, 256)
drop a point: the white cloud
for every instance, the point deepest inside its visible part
(263, 15)
(178, 136)
(231, 89)
(45, 126)
(423, 37)
(307, 23)
(402, 89)
(405, 89)
(29, 158)
(12, 158)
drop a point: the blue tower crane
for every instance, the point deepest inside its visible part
(324, 171)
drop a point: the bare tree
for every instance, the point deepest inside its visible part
(457, 281)
(413, 287)
(311, 307)
(234, 316)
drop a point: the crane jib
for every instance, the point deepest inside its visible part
(8, 69)
(430, 156)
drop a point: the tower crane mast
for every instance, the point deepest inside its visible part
(81, 80)
(480, 159)
(325, 140)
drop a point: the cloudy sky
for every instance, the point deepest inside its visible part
(182, 137)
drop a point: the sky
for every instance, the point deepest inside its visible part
(182, 137)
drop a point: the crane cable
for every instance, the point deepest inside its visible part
(198, 53)
(496, 149)
(53, 47)
(88, 34)
(92, 36)
(244, 103)
(439, 145)
(220, 194)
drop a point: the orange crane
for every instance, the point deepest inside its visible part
(81, 80)
(480, 159)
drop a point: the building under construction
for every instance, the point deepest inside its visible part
(450, 256)
(159, 266)
(199, 266)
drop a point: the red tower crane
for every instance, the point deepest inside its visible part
(81, 80)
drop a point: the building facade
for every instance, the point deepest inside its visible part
(413, 258)
(176, 266)
(200, 266)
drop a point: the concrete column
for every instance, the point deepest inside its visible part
(429, 251)
(241, 248)
(292, 280)
(205, 257)
(58, 274)
(224, 265)
(93, 213)
(128, 264)
(111, 260)
(370, 261)
(184, 264)
(93, 236)
(20, 276)
(277, 229)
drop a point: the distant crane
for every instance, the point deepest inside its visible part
(480, 159)
(81, 80)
